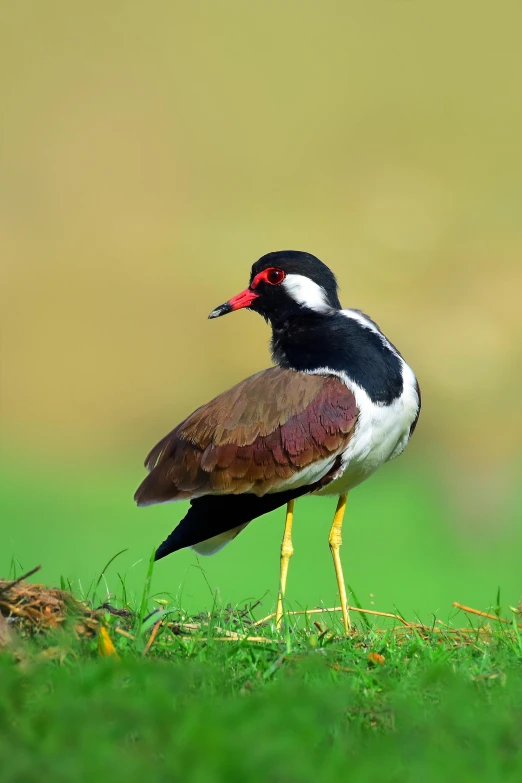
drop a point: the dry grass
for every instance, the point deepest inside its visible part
(28, 609)
(31, 608)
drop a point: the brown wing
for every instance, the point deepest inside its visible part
(256, 437)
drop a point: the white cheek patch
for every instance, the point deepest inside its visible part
(305, 292)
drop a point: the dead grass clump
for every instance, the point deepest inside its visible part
(34, 608)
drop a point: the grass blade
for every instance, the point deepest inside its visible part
(146, 591)
(359, 606)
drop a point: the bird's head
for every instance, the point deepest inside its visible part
(284, 284)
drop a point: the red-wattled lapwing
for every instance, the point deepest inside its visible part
(339, 403)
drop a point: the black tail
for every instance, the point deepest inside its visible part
(211, 515)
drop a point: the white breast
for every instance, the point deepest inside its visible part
(382, 431)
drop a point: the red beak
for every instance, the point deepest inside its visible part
(244, 299)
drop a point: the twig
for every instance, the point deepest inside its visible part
(480, 614)
(198, 626)
(338, 609)
(115, 611)
(185, 626)
(152, 636)
(9, 585)
(16, 610)
(125, 633)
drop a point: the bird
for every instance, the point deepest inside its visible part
(338, 402)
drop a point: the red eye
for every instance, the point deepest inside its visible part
(274, 276)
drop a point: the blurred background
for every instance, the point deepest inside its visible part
(149, 154)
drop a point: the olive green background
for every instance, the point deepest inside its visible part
(149, 153)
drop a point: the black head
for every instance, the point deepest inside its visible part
(285, 284)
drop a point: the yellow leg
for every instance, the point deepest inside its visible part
(335, 540)
(287, 550)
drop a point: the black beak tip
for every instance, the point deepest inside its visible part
(221, 310)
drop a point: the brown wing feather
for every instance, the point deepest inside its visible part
(252, 438)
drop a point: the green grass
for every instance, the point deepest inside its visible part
(303, 705)
(138, 721)
(179, 699)
(192, 708)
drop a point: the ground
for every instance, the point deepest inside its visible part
(140, 690)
